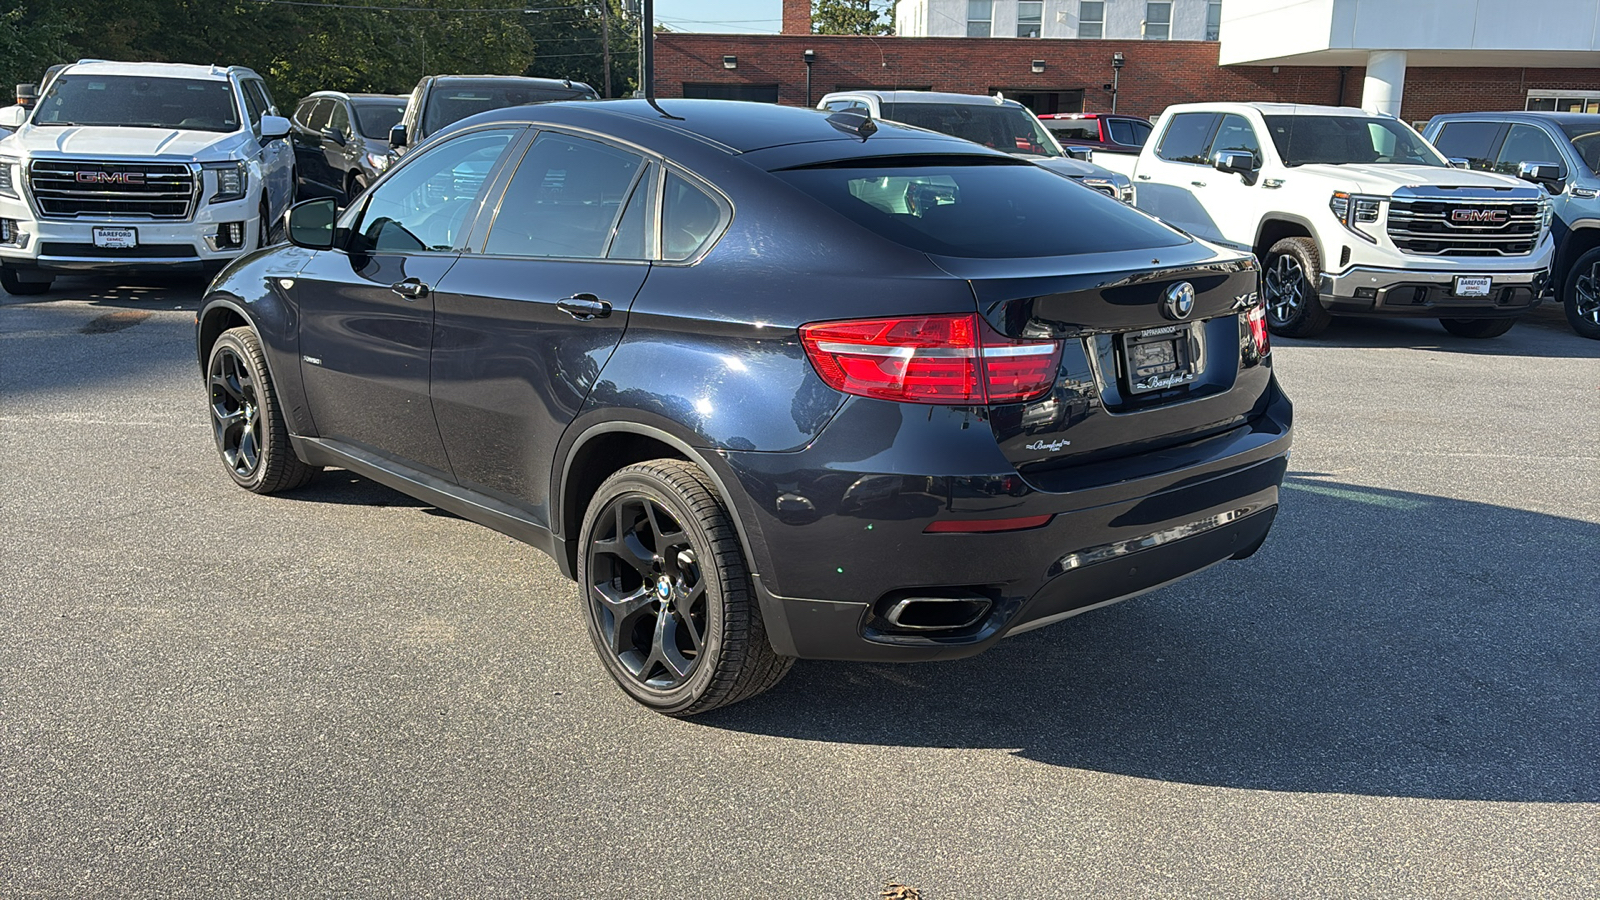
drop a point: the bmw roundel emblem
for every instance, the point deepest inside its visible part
(1180, 301)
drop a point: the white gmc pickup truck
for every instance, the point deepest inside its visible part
(152, 167)
(1350, 214)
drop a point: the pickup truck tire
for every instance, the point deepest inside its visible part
(1293, 307)
(18, 287)
(670, 605)
(252, 438)
(1581, 297)
(1477, 328)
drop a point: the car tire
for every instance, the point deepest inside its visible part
(354, 188)
(246, 421)
(1581, 295)
(1293, 306)
(17, 287)
(670, 605)
(1477, 328)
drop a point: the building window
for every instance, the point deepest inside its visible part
(1030, 18)
(1092, 19)
(1214, 20)
(1564, 101)
(980, 18)
(759, 93)
(1158, 20)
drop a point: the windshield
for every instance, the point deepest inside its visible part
(1349, 139)
(374, 119)
(979, 207)
(1008, 128)
(139, 101)
(1585, 137)
(452, 103)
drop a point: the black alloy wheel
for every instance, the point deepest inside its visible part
(251, 436)
(669, 602)
(1582, 301)
(1293, 307)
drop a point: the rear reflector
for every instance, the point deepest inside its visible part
(953, 359)
(984, 526)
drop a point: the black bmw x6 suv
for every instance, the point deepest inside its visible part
(768, 383)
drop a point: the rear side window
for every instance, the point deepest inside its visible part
(689, 217)
(1471, 141)
(976, 207)
(1187, 137)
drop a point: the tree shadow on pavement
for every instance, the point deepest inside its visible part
(1381, 643)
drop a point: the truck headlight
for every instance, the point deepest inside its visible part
(8, 177)
(1355, 210)
(233, 180)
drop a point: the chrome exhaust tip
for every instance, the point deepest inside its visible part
(937, 613)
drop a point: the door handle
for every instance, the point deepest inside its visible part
(1144, 177)
(584, 307)
(411, 289)
(1198, 183)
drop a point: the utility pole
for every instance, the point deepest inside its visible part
(647, 51)
(605, 43)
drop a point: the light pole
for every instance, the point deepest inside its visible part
(810, 57)
(1116, 73)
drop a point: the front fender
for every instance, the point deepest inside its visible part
(256, 290)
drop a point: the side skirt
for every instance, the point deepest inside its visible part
(452, 498)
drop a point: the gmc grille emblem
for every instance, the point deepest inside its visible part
(1480, 216)
(109, 177)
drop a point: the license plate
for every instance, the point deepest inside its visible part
(1160, 359)
(116, 238)
(1473, 285)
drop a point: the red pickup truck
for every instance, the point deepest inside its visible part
(1108, 133)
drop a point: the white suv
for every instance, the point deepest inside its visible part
(131, 167)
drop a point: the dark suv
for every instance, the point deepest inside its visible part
(341, 141)
(1560, 151)
(768, 383)
(441, 100)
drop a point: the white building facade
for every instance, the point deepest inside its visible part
(1126, 20)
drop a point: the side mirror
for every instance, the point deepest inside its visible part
(13, 117)
(397, 137)
(1545, 174)
(1081, 154)
(335, 135)
(274, 127)
(1460, 162)
(311, 224)
(1234, 162)
(27, 95)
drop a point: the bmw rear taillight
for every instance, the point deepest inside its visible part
(1258, 340)
(950, 359)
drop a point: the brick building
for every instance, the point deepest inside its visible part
(1064, 75)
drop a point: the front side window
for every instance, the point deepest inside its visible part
(339, 121)
(1471, 141)
(564, 200)
(1236, 136)
(1187, 137)
(1525, 143)
(1158, 20)
(1585, 137)
(318, 118)
(253, 104)
(1338, 140)
(136, 101)
(1214, 20)
(1030, 18)
(980, 207)
(980, 18)
(425, 204)
(1092, 19)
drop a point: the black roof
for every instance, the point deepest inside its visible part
(734, 126)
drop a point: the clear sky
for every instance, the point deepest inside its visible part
(724, 16)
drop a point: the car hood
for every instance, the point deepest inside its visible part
(1386, 179)
(127, 143)
(1072, 168)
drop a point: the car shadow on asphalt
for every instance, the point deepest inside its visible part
(143, 293)
(1543, 334)
(1381, 643)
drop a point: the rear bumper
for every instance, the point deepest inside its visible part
(837, 550)
(1416, 293)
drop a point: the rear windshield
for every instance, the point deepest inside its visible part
(975, 208)
(452, 103)
(374, 118)
(140, 102)
(1008, 128)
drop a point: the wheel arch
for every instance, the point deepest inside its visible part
(218, 315)
(1277, 226)
(1583, 236)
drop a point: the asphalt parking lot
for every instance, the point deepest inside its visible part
(342, 691)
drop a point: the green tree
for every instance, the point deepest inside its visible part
(852, 17)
